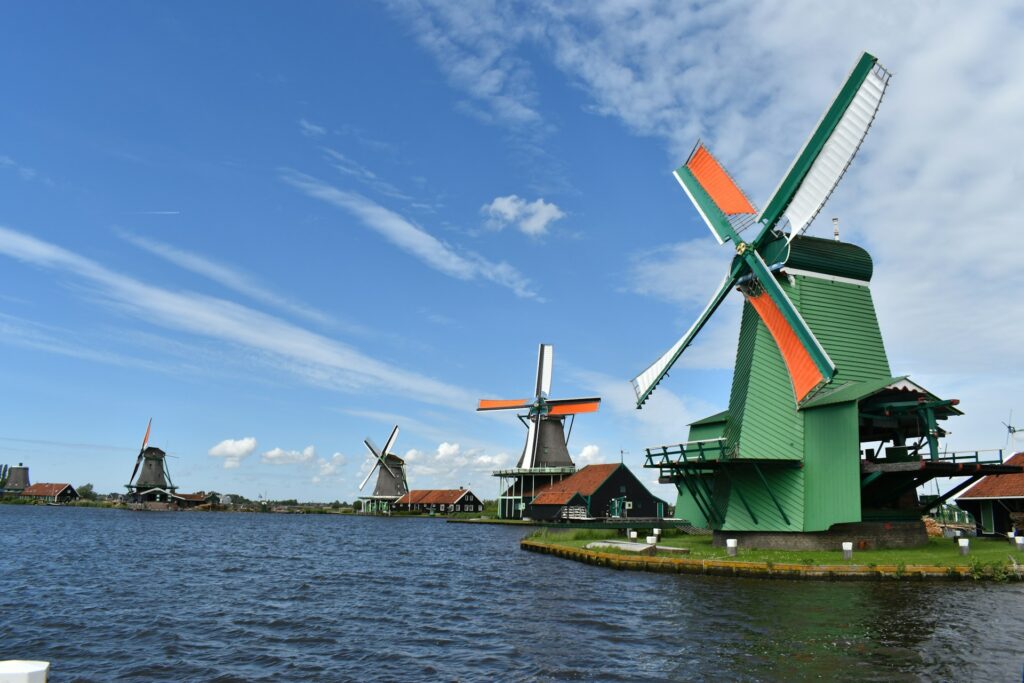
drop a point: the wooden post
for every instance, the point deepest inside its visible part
(847, 550)
(730, 546)
(965, 545)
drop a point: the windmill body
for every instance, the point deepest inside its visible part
(820, 439)
(150, 486)
(545, 459)
(392, 482)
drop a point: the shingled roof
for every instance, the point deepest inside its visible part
(999, 486)
(585, 482)
(44, 490)
(432, 497)
(550, 497)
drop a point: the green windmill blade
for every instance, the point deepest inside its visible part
(803, 191)
(645, 383)
(828, 152)
(808, 364)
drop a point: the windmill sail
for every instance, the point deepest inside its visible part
(829, 150)
(718, 199)
(646, 381)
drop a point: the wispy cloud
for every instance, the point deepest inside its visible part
(31, 334)
(364, 175)
(531, 218)
(311, 129)
(413, 239)
(231, 278)
(25, 172)
(306, 354)
(475, 45)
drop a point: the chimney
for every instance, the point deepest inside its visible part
(835, 229)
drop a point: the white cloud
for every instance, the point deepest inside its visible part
(234, 451)
(328, 468)
(311, 129)
(231, 278)
(588, 455)
(279, 456)
(450, 461)
(687, 273)
(364, 175)
(531, 218)
(308, 355)
(472, 44)
(413, 239)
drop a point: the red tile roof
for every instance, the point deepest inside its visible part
(1001, 485)
(552, 497)
(585, 482)
(44, 490)
(191, 496)
(432, 497)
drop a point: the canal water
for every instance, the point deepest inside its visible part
(113, 595)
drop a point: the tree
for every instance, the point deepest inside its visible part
(85, 492)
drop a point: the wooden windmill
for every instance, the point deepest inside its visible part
(392, 483)
(152, 486)
(812, 389)
(545, 457)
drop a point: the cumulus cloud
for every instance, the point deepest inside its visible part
(450, 459)
(327, 468)
(234, 451)
(530, 218)
(588, 455)
(279, 456)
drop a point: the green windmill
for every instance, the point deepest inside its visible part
(818, 432)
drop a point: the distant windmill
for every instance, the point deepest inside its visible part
(1012, 433)
(153, 484)
(545, 435)
(392, 483)
(546, 453)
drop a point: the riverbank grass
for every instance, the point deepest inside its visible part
(940, 552)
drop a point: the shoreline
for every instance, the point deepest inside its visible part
(771, 570)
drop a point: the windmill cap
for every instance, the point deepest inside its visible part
(829, 257)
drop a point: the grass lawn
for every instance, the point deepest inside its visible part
(941, 552)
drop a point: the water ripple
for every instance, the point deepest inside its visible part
(112, 595)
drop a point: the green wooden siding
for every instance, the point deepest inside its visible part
(842, 317)
(687, 508)
(763, 423)
(831, 466)
(706, 430)
(787, 484)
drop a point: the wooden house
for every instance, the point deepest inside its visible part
(997, 501)
(51, 493)
(596, 491)
(440, 501)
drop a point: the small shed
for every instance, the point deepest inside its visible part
(609, 490)
(997, 501)
(51, 493)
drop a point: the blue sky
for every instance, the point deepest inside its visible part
(289, 227)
